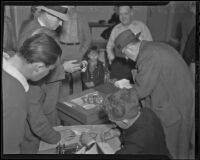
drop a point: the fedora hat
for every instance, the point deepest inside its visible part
(123, 39)
(57, 11)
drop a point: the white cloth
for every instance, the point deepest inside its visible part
(41, 23)
(7, 67)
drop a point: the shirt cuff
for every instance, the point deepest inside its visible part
(91, 142)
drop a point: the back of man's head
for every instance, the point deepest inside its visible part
(40, 48)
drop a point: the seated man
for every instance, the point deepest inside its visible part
(142, 132)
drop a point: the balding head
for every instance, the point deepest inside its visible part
(125, 14)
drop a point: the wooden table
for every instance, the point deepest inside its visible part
(46, 148)
(77, 115)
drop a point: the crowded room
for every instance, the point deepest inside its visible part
(111, 79)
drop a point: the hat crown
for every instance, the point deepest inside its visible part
(123, 39)
(60, 9)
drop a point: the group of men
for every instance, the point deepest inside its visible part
(163, 81)
(40, 113)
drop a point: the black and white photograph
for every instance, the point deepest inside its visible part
(119, 79)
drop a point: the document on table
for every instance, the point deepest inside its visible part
(79, 101)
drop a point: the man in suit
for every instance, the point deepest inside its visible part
(35, 59)
(75, 39)
(120, 67)
(50, 17)
(141, 130)
(161, 75)
(44, 94)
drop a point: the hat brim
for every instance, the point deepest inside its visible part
(54, 13)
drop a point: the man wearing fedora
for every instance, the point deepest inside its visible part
(45, 93)
(141, 129)
(163, 75)
(121, 68)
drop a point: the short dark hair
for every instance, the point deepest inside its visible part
(92, 48)
(40, 48)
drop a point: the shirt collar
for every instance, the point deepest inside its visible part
(132, 121)
(7, 67)
(41, 23)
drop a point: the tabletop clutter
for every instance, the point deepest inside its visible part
(71, 144)
(107, 133)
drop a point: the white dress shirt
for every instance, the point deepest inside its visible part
(7, 67)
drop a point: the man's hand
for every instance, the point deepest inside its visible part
(109, 134)
(67, 135)
(71, 66)
(85, 138)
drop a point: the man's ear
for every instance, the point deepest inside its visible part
(38, 66)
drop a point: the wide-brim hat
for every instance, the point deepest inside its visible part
(123, 104)
(57, 11)
(123, 39)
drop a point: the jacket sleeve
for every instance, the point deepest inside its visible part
(36, 118)
(14, 119)
(110, 44)
(148, 72)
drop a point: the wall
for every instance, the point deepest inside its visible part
(164, 21)
(96, 13)
(91, 13)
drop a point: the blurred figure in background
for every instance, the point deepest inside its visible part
(33, 14)
(9, 37)
(190, 51)
(188, 22)
(75, 40)
(113, 20)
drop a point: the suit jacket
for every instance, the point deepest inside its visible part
(145, 136)
(37, 126)
(163, 75)
(14, 113)
(43, 96)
